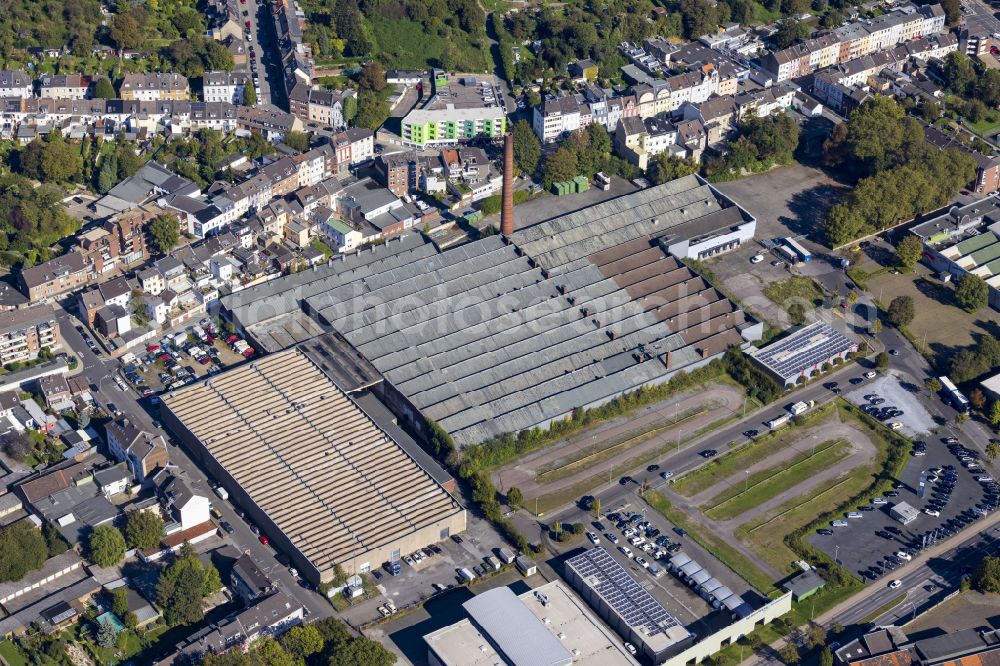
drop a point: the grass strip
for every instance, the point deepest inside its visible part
(738, 459)
(725, 553)
(883, 609)
(772, 482)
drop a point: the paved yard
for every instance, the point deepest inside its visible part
(970, 610)
(916, 419)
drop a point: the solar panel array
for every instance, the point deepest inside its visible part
(634, 605)
(805, 349)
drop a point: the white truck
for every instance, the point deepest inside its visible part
(466, 575)
(800, 407)
(222, 493)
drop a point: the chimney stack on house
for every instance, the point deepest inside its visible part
(507, 208)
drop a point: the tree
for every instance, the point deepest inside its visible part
(297, 141)
(909, 251)
(993, 450)
(249, 94)
(372, 77)
(667, 167)
(789, 653)
(994, 415)
(815, 636)
(268, 652)
(971, 292)
(882, 360)
(119, 601)
(900, 311)
(826, 657)
(105, 546)
(350, 108)
(491, 205)
(986, 576)
(595, 507)
(143, 530)
(107, 175)
(952, 11)
(104, 89)
(300, 642)
(165, 232)
(790, 31)
(107, 635)
(797, 314)
(22, 549)
(182, 586)
(876, 327)
(125, 31)
(372, 111)
(527, 148)
(932, 384)
(17, 445)
(959, 74)
(977, 398)
(561, 165)
(361, 651)
(514, 496)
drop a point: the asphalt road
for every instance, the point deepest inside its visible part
(268, 59)
(99, 371)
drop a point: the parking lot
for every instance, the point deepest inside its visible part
(180, 358)
(746, 281)
(865, 542)
(886, 391)
(681, 600)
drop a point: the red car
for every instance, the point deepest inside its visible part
(246, 23)
(248, 353)
(263, 540)
(146, 392)
(164, 357)
(152, 348)
(231, 339)
(204, 360)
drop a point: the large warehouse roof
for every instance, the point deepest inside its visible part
(493, 337)
(332, 481)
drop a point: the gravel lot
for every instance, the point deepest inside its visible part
(916, 420)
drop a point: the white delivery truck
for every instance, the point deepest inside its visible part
(800, 407)
(466, 575)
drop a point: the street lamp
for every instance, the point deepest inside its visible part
(746, 483)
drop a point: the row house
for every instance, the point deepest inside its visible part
(56, 277)
(351, 146)
(638, 140)
(224, 86)
(64, 86)
(718, 115)
(116, 293)
(322, 106)
(15, 83)
(24, 333)
(767, 101)
(556, 117)
(144, 452)
(164, 116)
(272, 124)
(154, 87)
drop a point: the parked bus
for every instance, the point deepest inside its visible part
(953, 395)
(802, 253)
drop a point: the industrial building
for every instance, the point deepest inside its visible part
(325, 483)
(510, 332)
(626, 606)
(546, 626)
(803, 353)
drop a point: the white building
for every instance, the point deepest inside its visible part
(224, 87)
(15, 83)
(555, 118)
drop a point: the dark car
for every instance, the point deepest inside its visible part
(680, 532)
(824, 532)
(227, 527)
(708, 453)
(456, 538)
(652, 468)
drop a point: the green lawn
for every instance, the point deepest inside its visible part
(987, 126)
(726, 554)
(744, 456)
(404, 44)
(769, 483)
(132, 647)
(796, 289)
(12, 655)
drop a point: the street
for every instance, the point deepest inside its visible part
(100, 371)
(268, 61)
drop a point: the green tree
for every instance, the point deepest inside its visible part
(297, 141)
(900, 311)
(959, 74)
(17, 445)
(54, 541)
(301, 642)
(560, 165)
(876, 326)
(882, 360)
(361, 651)
(797, 314)
(933, 385)
(143, 530)
(826, 657)
(372, 77)
(107, 635)
(22, 549)
(104, 89)
(993, 450)
(514, 496)
(790, 31)
(971, 292)
(165, 232)
(182, 586)
(372, 111)
(268, 652)
(125, 31)
(107, 175)
(350, 109)
(119, 601)
(994, 415)
(527, 148)
(667, 167)
(249, 94)
(491, 205)
(909, 251)
(789, 653)
(986, 576)
(105, 546)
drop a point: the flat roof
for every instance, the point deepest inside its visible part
(521, 636)
(803, 350)
(333, 481)
(627, 599)
(551, 608)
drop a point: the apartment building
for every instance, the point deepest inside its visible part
(15, 83)
(26, 332)
(320, 106)
(144, 452)
(461, 108)
(55, 277)
(154, 87)
(224, 86)
(638, 140)
(556, 117)
(64, 86)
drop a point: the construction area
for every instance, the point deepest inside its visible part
(322, 480)
(510, 332)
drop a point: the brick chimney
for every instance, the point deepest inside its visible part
(507, 208)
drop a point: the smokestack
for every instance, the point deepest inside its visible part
(507, 208)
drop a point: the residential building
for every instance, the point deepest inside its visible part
(555, 118)
(248, 580)
(26, 332)
(461, 108)
(144, 452)
(154, 87)
(187, 507)
(322, 106)
(100, 249)
(638, 140)
(583, 70)
(15, 83)
(55, 390)
(129, 230)
(56, 276)
(272, 124)
(224, 86)
(64, 86)
(270, 616)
